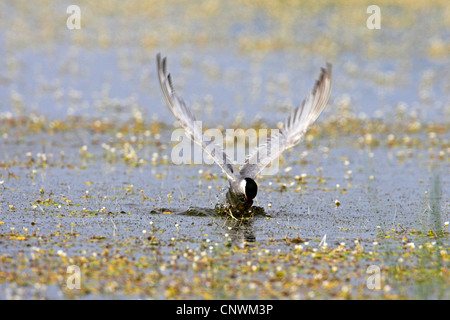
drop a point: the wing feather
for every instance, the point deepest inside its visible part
(295, 127)
(187, 119)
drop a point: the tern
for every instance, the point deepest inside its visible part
(243, 188)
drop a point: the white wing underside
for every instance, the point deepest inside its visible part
(293, 131)
(187, 120)
(295, 127)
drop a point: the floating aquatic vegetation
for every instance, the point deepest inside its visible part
(86, 173)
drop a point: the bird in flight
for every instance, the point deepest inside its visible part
(243, 188)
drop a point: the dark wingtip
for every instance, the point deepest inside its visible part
(164, 64)
(169, 79)
(158, 60)
(161, 64)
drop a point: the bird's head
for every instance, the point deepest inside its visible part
(249, 188)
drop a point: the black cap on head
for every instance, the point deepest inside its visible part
(251, 189)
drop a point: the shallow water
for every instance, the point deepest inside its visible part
(88, 180)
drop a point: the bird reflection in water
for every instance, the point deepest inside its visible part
(241, 231)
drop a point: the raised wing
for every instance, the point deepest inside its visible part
(294, 128)
(187, 119)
